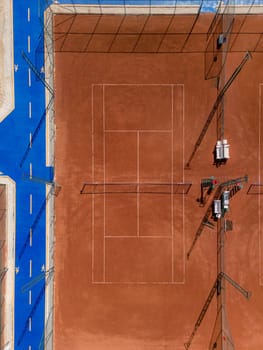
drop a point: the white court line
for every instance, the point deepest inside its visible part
(30, 297)
(92, 179)
(29, 347)
(183, 199)
(259, 180)
(30, 110)
(30, 170)
(28, 44)
(30, 268)
(150, 236)
(29, 77)
(139, 130)
(137, 84)
(30, 139)
(140, 283)
(104, 179)
(30, 204)
(30, 324)
(104, 161)
(172, 189)
(138, 186)
(28, 14)
(30, 237)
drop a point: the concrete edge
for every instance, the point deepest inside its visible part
(146, 10)
(125, 10)
(49, 296)
(9, 304)
(50, 160)
(7, 59)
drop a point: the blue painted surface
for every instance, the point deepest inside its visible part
(14, 136)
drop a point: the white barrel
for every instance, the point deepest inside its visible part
(226, 151)
(217, 208)
(219, 150)
(225, 199)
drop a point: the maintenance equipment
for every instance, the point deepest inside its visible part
(207, 186)
(233, 186)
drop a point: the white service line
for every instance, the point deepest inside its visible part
(30, 324)
(30, 297)
(30, 139)
(30, 268)
(30, 237)
(30, 204)
(28, 44)
(28, 14)
(30, 170)
(30, 110)
(29, 77)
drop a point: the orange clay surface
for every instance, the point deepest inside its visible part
(122, 278)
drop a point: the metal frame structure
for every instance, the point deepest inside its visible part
(221, 337)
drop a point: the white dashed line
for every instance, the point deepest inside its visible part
(30, 268)
(29, 77)
(30, 204)
(30, 170)
(28, 44)
(30, 324)
(28, 14)
(30, 237)
(30, 297)
(30, 139)
(30, 110)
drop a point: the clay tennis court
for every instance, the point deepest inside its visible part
(127, 119)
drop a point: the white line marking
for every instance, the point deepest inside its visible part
(92, 178)
(104, 197)
(30, 324)
(28, 44)
(139, 130)
(30, 139)
(138, 84)
(150, 236)
(140, 283)
(30, 170)
(29, 347)
(259, 180)
(28, 14)
(183, 131)
(29, 77)
(30, 268)
(138, 186)
(172, 187)
(104, 161)
(30, 237)
(30, 110)
(30, 204)
(30, 297)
